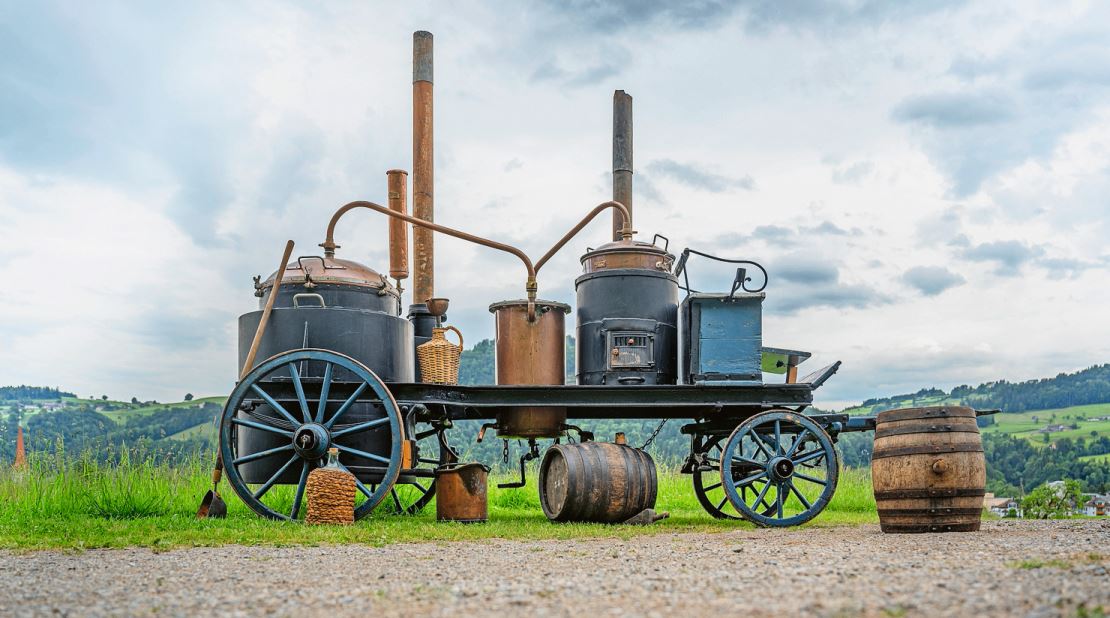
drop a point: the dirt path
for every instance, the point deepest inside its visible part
(1009, 569)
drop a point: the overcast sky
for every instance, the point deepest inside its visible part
(927, 183)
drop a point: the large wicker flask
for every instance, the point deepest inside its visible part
(439, 358)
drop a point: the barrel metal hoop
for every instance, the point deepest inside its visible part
(968, 527)
(883, 432)
(907, 494)
(933, 512)
(931, 449)
(920, 413)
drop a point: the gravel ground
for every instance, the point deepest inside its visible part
(1010, 568)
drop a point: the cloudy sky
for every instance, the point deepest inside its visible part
(927, 183)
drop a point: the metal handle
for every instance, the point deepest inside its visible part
(297, 299)
(666, 245)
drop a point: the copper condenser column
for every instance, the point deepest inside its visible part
(530, 353)
(423, 182)
(622, 158)
(398, 229)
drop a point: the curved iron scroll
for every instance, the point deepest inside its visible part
(740, 283)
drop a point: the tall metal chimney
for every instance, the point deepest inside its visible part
(423, 183)
(622, 158)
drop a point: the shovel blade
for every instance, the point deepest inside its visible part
(212, 506)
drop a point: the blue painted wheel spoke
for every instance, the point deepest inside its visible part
(805, 502)
(778, 500)
(810, 456)
(358, 483)
(273, 479)
(260, 454)
(363, 454)
(360, 427)
(810, 478)
(752, 462)
(762, 493)
(300, 491)
(758, 441)
(262, 427)
(346, 404)
(778, 437)
(324, 388)
(305, 414)
(763, 501)
(275, 405)
(797, 442)
(749, 480)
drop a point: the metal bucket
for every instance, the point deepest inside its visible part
(461, 492)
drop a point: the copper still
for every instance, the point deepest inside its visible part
(530, 352)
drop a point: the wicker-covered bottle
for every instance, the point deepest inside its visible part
(439, 358)
(331, 493)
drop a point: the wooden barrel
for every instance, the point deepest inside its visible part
(596, 481)
(928, 471)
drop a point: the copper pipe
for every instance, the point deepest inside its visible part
(619, 210)
(423, 179)
(248, 364)
(622, 161)
(530, 286)
(398, 229)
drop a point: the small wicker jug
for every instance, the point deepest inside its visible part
(439, 358)
(331, 493)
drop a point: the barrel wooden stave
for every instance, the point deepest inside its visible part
(928, 470)
(596, 482)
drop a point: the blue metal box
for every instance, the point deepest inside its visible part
(721, 338)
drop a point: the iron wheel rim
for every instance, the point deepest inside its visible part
(773, 448)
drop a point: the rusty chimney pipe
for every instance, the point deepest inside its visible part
(622, 160)
(423, 283)
(398, 229)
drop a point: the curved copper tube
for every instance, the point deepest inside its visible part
(530, 287)
(626, 232)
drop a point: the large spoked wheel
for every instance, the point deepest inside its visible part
(709, 489)
(416, 486)
(282, 418)
(779, 469)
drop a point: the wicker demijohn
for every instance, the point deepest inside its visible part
(331, 494)
(439, 358)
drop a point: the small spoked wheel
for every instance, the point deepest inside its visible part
(708, 487)
(779, 469)
(416, 486)
(282, 418)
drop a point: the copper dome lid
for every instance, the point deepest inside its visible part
(312, 270)
(627, 254)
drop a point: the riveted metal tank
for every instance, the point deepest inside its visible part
(333, 304)
(627, 315)
(530, 352)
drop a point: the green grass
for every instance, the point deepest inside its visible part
(1021, 424)
(59, 504)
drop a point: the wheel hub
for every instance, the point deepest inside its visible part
(781, 468)
(311, 441)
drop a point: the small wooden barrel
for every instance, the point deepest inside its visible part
(928, 471)
(596, 481)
